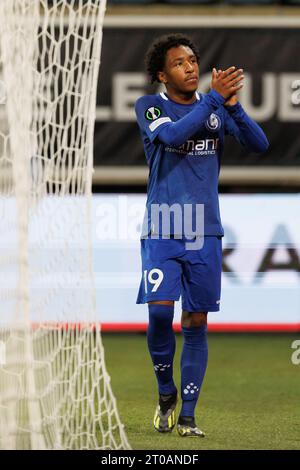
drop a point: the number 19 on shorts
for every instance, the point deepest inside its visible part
(154, 277)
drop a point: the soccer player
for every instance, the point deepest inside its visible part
(183, 136)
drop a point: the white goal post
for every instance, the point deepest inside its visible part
(55, 392)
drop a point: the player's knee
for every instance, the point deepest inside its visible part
(193, 319)
(160, 316)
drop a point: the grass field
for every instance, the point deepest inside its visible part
(250, 398)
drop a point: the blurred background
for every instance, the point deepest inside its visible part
(259, 194)
(250, 398)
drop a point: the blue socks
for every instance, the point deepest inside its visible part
(193, 367)
(161, 344)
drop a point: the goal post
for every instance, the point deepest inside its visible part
(55, 392)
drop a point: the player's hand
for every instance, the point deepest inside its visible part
(227, 82)
(232, 100)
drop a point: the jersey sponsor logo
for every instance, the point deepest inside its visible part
(201, 147)
(152, 113)
(213, 123)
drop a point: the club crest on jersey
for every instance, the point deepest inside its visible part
(213, 123)
(152, 113)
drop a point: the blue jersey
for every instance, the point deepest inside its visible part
(184, 158)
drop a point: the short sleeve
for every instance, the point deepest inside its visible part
(151, 116)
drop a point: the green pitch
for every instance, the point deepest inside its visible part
(250, 398)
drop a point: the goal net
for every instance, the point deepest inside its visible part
(55, 392)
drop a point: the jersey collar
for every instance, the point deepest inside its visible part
(164, 96)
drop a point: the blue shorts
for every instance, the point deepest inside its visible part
(169, 271)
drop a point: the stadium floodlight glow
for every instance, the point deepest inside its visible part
(55, 392)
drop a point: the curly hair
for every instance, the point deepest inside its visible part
(156, 54)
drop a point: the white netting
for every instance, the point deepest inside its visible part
(54, 388)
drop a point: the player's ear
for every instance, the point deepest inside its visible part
(161, 76)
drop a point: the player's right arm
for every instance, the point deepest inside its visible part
(158, 125)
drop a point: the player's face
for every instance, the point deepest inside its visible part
(181, 72)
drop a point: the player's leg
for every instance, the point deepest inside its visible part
(160, 287)
(193, 367)
(201, 294)
(161, 345)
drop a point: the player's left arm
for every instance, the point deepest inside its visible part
(244, 129)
